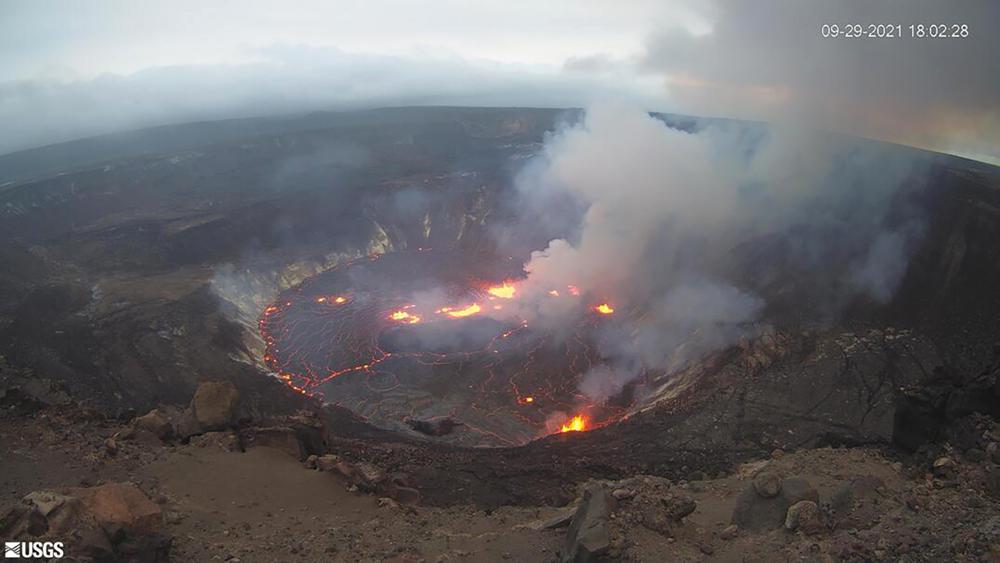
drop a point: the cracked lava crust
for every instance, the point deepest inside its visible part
(406, 340)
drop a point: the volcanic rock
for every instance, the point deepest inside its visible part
(730, 532)
(662, 513)
(186, 424)
(756, 513)
(558, 521)
(767, 484)
(368, 476)
(225, 441)
(364, 476)
(327, 462)
(310, 462)
(944, 468)
(588, 537)
(114, 522)
(47, 502)
(111, 446)
(805, 516)
(120, 504)
(622, 494)
(215, 404)
(155, 422)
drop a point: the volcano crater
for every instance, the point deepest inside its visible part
(377, 336)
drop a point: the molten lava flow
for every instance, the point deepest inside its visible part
(505, 291)
(577, 424)
(352, 343)
(458, 313)
(404, 317)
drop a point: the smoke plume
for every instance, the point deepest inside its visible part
(687, 234)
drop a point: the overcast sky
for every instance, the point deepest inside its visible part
(74, 68)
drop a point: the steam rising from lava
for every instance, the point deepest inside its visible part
(664, 246)
(663, 214)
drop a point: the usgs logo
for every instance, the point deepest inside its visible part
(33, 549)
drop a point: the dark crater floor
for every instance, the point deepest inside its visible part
(335, 337)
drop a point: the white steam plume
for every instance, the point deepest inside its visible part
(666, 214)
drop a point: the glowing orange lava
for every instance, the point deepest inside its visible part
(604, 309)
(340, 299)
(470, 310)
(529, 399)
(577, 424)
(404, 317)
(505, 291)
(554, 292)
(573, 290)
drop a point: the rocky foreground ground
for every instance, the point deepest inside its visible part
(201, 483)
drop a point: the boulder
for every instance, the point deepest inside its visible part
(767, 484)
(121, 504)
(756, 513)
(113, 522)
(156, 423)
(588, 537)
(215, 404)
(186, 424)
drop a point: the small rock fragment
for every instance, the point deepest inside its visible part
(804, 516)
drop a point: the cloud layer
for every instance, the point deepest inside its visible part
(768, 60)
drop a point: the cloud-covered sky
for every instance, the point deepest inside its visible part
(70, 69)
